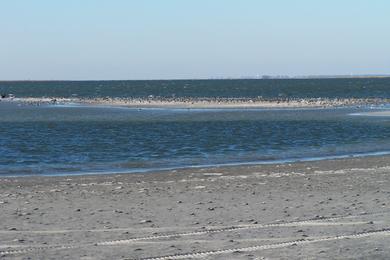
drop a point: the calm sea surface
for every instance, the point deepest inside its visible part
(74, 139)
(300, 88)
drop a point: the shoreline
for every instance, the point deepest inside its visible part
(203, 103)
(333, 209)
(162, 170)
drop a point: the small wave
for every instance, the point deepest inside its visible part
(216, 165)
(375, 114)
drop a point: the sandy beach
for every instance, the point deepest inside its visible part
(226, 130)
(333, 209)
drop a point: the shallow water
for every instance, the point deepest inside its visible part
(54, 140)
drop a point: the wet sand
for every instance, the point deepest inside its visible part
(334, 209)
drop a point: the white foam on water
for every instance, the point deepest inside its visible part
(374, 113)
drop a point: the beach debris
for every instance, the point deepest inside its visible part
(212, 174)
(199, 187)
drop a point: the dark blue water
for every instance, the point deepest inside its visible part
(72, 140)
(55, 140)
(273, 88)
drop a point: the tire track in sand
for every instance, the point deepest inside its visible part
(314, 221)
(270, 246)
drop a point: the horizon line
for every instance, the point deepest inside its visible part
(263, 77)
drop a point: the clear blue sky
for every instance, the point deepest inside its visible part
(146, 39)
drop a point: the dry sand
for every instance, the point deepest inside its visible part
(332, 209)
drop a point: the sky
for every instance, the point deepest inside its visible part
(175, 39)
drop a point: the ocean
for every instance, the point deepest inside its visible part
(272, 88)
(70, 139)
